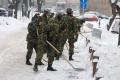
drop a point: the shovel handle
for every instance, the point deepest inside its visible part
(62, 54)
(53, 47)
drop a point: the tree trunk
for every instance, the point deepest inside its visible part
(16, 2)
(39, 4)
(24, 7)
(30, 3)
(119, 36)
(114, 13)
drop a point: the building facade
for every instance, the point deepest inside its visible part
(102, 6)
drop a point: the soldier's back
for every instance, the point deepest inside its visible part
(52, 29)
(32, 35)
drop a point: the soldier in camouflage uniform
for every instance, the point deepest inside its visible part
(71, 28)
(68, 28)
(45, 17)
(52, 35)
(32, 40)
(45, 31)
(59, 40)
(41, 41)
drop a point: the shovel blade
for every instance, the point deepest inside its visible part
(79, 69)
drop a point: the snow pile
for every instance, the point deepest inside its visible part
(12, 55)
(9, 24)
(108, 51)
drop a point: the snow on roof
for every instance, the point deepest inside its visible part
(2, 9)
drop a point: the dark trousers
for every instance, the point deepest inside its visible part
(50, 54)
(71, 45)
(30, 47)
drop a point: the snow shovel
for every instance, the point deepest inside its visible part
(76, 69)
(87, 40)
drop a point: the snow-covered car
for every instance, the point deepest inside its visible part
(99, 15)
(3, 12)
(96, 19)
(60, 7)
(116, 25)
(91, 19)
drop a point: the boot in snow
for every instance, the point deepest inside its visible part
(50, 68)
(28, 62)
(35, 68)
(70, 58)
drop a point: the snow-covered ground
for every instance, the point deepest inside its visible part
(13, 51)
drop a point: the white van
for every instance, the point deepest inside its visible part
(61, 7)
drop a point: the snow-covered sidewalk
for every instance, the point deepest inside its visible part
(13, 52)
(12, 64)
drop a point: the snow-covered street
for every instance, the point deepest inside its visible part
(93, 24)
(13, 52)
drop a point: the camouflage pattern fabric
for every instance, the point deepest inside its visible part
(42, 37)
(52, 31)
(69, 25)
(31, 40)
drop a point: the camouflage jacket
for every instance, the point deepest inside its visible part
(69, 25)
(32, 34)
(52, 30)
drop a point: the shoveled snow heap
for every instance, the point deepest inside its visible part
(9, 24)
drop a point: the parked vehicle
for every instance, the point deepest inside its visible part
(96, 19)
(91, 19)
(99, 15)
(3, 12)
(60, 7)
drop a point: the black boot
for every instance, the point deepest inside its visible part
(28, 62)
(35, 68)
(70, 58)
(50, 68)
(57, 57)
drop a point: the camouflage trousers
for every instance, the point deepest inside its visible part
(40, 52)
(60, 44)
(43, 48)
(71, 41)
(50, 54)
(30, 47)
